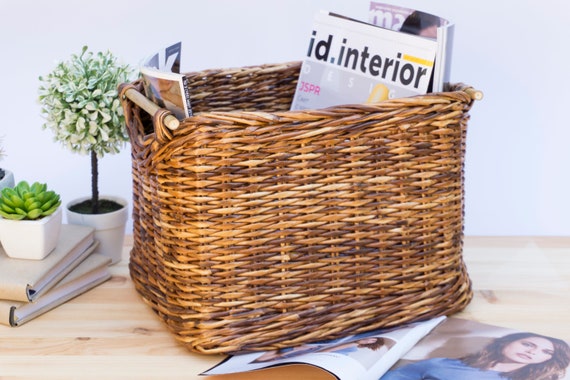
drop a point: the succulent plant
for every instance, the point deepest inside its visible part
(25, 202)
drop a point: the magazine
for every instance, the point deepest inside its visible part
(358, 357)
(351, 61)
(440, 348)
(420, 23)
(470, 350)
(164, 84)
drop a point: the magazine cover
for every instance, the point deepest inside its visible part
(359, 357)
(470, 350)
(402, 19)
(164, 84)
(167, 59)
(423, 24)
(350, 61)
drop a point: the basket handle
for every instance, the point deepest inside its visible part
(474, 94)
(163, 119)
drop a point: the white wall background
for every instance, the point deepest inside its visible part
(515, 51)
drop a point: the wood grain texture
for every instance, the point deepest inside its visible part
(110, 333)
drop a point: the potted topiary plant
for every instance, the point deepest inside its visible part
(30, 220)
(6, 176)
(79, 101)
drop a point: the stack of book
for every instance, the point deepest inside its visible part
(29, 288)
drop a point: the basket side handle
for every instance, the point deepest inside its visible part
(163, 120)
(474, 94)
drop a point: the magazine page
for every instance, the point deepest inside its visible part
(164, 84)
(359, 357)
(469, 350)
(167, 59)
(419, 23)
(402, 19)
(350, 61)
(443, 58)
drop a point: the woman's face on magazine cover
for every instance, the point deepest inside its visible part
(530, 350)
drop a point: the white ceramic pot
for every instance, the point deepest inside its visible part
(30, 239)
(109, 227)
(7, 180)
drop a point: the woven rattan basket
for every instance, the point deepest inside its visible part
(257, 228)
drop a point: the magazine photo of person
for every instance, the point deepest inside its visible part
(362, 356)
(164, 84)
(459, 350)
(438, 349)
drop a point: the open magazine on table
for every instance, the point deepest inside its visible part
(352, 61)
(357, 357)
(164, 84)
(441, 348)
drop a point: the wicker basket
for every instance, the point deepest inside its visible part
(258, 228)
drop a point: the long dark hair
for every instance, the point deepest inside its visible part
(552, 369)
(417, 21)
(378, 342)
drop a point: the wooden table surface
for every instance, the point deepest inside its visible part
(109, 333)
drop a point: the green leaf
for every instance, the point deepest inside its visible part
(4, 207)
(17, 201)
(20, 211)
(7, 201)
(50, 210)
(12, 216)
(37, 187)
(35, 213)
(22, 188)
(31, 204)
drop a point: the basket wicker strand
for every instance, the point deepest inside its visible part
(257, 228)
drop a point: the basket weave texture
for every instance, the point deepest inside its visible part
(257, 228)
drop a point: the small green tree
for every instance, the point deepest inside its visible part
(79, 101)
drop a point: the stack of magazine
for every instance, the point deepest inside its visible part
(398, 52)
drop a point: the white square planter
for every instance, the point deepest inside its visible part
(109, 227)
(30, 239)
